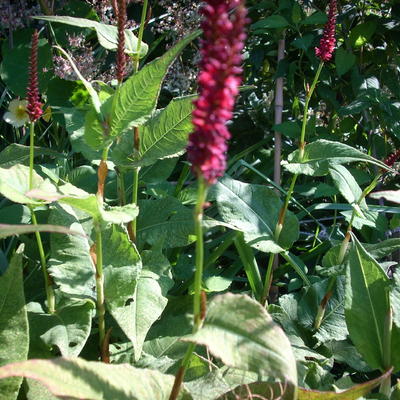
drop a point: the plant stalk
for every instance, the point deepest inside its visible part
(342, 254)
(198, 316)
(140, 35)
(282, 213)
(47, 279)
(100, 301)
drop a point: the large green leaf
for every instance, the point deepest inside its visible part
(366, 304)
(106, 34)
(240, 332)
(19, 154)
(150, 298)
(354, 393)
(321, 154)
(163, 135)
(67, 329)
(14, 184)
(70, 263)
(77, 379)
(136, 99)
(333, 325)
(14, 336)
(122, 266)
(254, 210)
(347, 186)
(11, 230)
(165, 219)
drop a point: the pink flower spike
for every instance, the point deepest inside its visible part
(328, 41)
(34, 107)
(218, 82)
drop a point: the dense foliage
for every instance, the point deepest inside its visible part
(127, 274)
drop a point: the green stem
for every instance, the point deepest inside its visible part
(250, 265)
(197, 317)
(385, 387)
(135, 189)
(47, 280)
(268, 280)
(101, 310)
(305, 112)
(140, 35)
(182, 178)
(31, 153)
(342, 254)
(218, 251)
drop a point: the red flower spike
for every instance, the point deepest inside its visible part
(328, 40)
(392, 158)
(34, 107)
(121, 58)
(218, 86)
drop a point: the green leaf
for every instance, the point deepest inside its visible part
(77, 379)
(106, 34)
(19, 154)
(271, 22)
(344, 60)
(321, 154)
(68, 328)
(136, 98)
(14, 336)
(367, 296)
(354, 393)
(318, 18)
(165, 219)
(14, 184)
(150, 298)
(164, 135)
(240, 332)
(333, 326)
(289, 128)
(389, 195)
(347, 186)
(254, 210)
(15, 64)
(70, 264)
(7, 230)
(362, 33)
(122, 265)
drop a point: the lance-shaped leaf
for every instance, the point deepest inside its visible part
(77, 379)
(11, 230)
(354, 393)
(164, 135)
(122, 266)
(106, 34)
(136, 99)
(240, 332)
(321, 154)
(366, 304)
(254, 210)
(389, 195)
(14, 184)
(19, 154)
(14, 336)
(150, 298)
(70, 263)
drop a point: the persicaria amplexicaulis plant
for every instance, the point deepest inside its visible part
(328, 41)
(218, 85)
(34, 107)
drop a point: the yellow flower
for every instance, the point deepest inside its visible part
(47, 114)
(17, 114)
